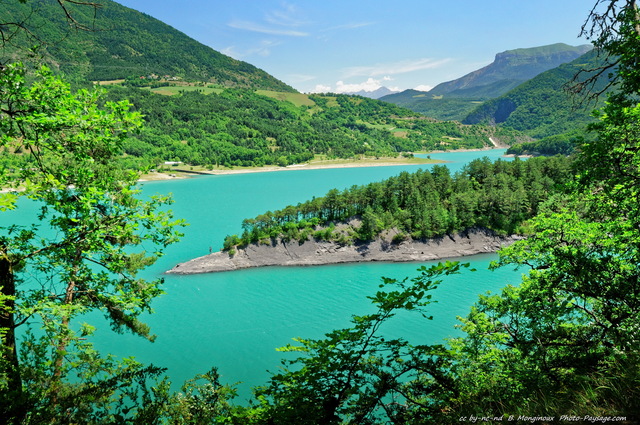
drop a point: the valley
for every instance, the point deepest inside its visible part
(186, 238)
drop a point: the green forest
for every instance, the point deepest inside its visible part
(239, 127)
(496, 195)
(562, 342)
(110, 42)
(242, 128)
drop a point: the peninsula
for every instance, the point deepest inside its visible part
(313, 252)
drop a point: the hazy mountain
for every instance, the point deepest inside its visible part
(454, 100)
(542, 107)
(375, 94)
(122, 43)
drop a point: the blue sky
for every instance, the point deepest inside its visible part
(347, 45)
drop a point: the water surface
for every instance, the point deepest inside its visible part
(236, 320)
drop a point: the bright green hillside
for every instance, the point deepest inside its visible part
(235, 127)
(121, 43)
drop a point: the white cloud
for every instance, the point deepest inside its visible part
(289, 16)
(423, 87)
(300, 78)
(349, 26)
(284, 21)
(254, 27)
(262, 49)
(401, 67)
(371, 84)
(230, 51)
(320, 88)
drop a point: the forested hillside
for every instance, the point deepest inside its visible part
(437, 107)
(236, 127)
(497, 195)
(560, 144)
(231, 114)
(542, 106)
(116, 42)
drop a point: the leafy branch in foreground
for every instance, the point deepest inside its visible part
(358, 375)
(90, 236)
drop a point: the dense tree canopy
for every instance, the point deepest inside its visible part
(242, 128)
(497, 195)
(81, 251)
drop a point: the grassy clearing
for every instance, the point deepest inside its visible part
(298, 99)
(322, 160)
(108, 83)
(386, 127)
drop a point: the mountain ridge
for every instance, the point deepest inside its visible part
(540, 106)
(121, 43)
(455, 99)
(373, 94)
(517, 66)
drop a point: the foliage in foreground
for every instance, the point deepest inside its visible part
(564, 341)
(85, 243)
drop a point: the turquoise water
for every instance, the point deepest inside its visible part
(235, 320)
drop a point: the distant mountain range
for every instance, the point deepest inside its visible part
(454, 100)
(125, 43)
(122, 43)
(374, 94)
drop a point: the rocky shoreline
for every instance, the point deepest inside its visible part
(311, 253)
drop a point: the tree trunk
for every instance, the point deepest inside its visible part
(13, 403)
(634, 6)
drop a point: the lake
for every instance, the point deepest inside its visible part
(236, 320)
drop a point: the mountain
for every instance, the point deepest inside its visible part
(121, 43)
(510, 69)
(454, 100)
(238, 127)
(374, 94)
(541, 107)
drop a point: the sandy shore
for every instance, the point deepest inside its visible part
(179, 172)
(311, 253)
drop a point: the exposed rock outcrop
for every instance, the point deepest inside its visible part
(309, 253)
